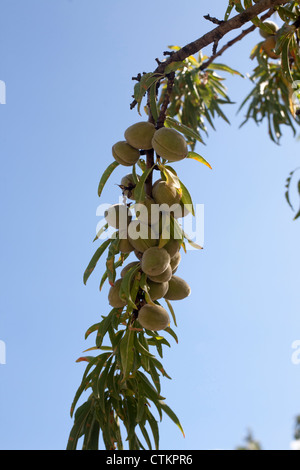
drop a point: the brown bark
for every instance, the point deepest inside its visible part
(217, 33)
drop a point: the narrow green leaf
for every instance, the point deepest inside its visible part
(173, 66)
(99, 233)
(171, 311)
(139, 190)
(228, 11)
(91, 330)
(187, 131)
(152, 102)
(148, 388)
(146, 436)
(154, 428)
(186, 198)
(285, 60)
(81, 416)
(117, 264)
(105, 176)
(172, 333)
(193, 244)
(92, 264)
(127, 353)
(172, 416)
(104, 326)
(224, 68)
(126, 285)
(198, 158)
(140, 89)
(101, 385)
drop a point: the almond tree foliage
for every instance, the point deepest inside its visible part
(121, 384)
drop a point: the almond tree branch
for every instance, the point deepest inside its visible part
(219, 32)
(235, 40)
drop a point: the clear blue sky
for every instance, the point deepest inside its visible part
(67, 65)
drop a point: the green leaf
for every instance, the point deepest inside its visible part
(127, 353)
(140, 89)
(187, 131)
(154, 428)
(104, 326)
(175, 230)
(173, 66)
(172, 333)
(99, 233)
(152, 102)
(228, 11)
(224, 68)
(105, 176)
(110, 260)
(101, 385)
(172, 416)
(81, 416)
(161, 369)
(144, 287)
(92, 436)
(186, 198)
(171, 311)
(285, 60)
(117, 264)
(92, 264)
(170, 175)
(193, 244)
(91, 330)
(126, 284)
(147, 387)
(146, 436)
(139, 190)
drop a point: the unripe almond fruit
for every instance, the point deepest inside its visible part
(153, 317)
(273, 26)
(118, 216)
(140, 135)
(141, 236)
(155, 261)
(163, 277)
(125, 246)
(164, 193)
(157, 289)
(169, 144)
(178, 289)
(268, 46)
(128, 266)
(125, 154)
(114, 298)
(172, 247)
(175, 260)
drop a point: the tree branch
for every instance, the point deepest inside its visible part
(219, 32)
(235, 40)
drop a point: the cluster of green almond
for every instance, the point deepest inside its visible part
(141, 227)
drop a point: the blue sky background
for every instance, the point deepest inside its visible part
(68, 65)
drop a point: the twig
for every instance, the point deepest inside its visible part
(235, 40)
(214, 36)
(219, 32)
(213, 20)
